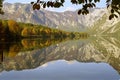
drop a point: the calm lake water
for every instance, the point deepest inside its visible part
(94, 58)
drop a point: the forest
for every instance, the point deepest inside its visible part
(12, 30)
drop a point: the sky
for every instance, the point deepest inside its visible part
(67, 5)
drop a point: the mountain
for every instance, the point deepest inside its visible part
(103, 26)
(96, 22)
(67, 20)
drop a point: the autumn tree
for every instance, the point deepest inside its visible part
(3, 27)
(13, 50)
(24, 32)
(14, 27)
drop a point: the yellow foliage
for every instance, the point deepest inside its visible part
(13, 26)
(47, 43)
(13, 51)
(26, 43)
(33, 31)
(4, 23)
(47, 31)
(24, 32)
(34, 43)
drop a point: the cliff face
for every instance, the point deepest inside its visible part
(97, 21)
(68, 20)
(92, 50)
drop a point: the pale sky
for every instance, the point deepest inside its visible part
(67, 5)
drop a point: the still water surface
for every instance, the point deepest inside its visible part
(95, 58)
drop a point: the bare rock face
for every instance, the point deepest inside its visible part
(67, 20)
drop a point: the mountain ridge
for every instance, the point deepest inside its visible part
(68, 20)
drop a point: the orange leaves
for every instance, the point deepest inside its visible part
(31, 43)
(74, 1)
(115, 9)
(44, 5)
(12, 23)
(24, 32)
(39, 4)
(13, 51)
(62, 1)
(13, 26)
(57, 4)
(112, 16)
(79, 12)
(36, 6)
(32, 2)
(84, 10)
(112, 11)
(96, 1)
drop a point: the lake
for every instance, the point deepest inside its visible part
(92, 58)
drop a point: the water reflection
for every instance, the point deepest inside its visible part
(11, 49)
(37, 55)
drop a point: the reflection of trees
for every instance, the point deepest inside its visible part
(1, 56)
(82, 51)
(28, 44)
(11, 49)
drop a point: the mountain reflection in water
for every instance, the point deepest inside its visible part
(95, 58)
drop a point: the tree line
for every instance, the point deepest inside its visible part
(11, 29)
